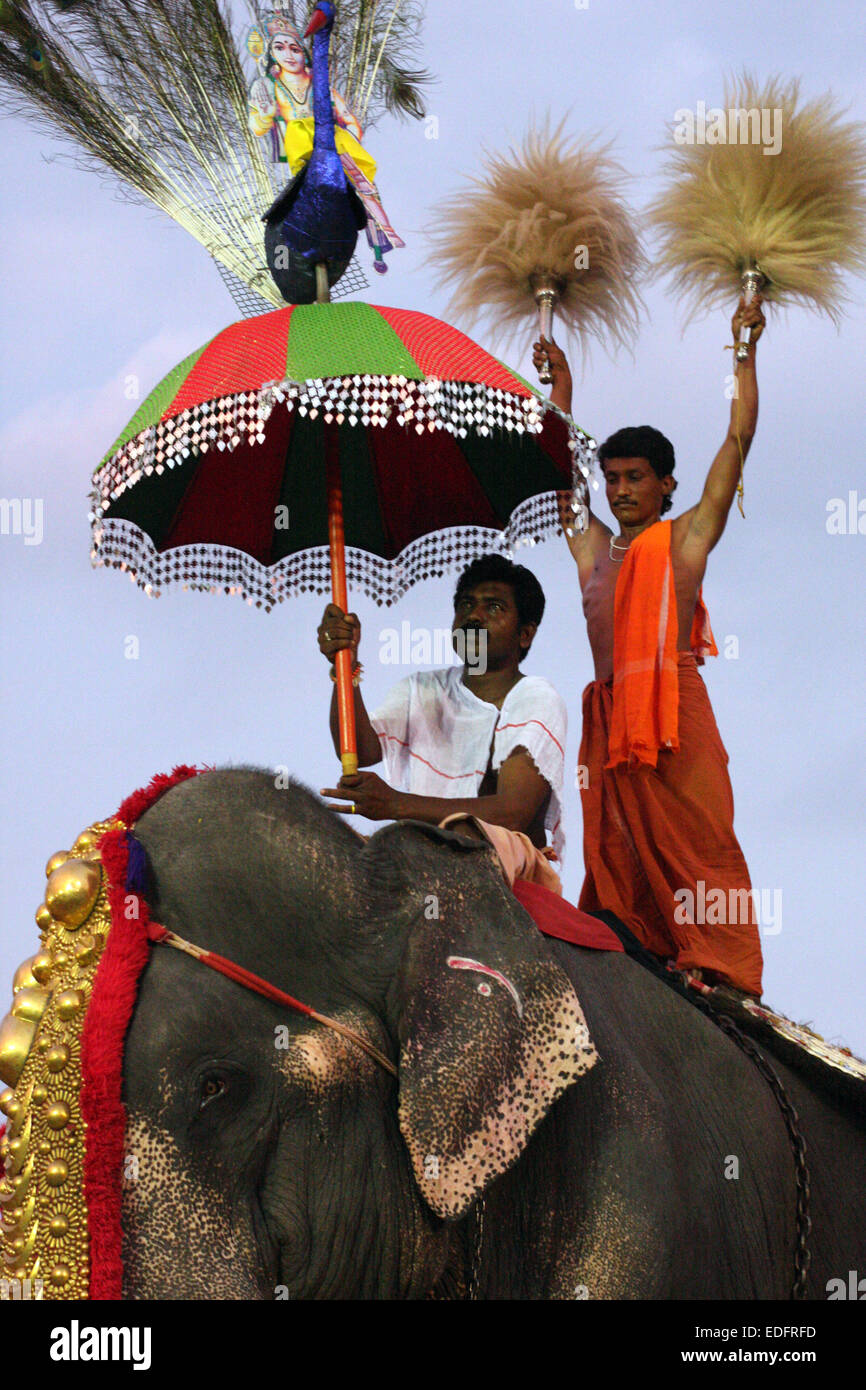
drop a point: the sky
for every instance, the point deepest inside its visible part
(99, 290)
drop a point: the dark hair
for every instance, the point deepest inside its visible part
(528, 593)
(641, 442)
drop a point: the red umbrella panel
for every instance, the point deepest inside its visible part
(220, 480)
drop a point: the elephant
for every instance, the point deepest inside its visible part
(274, 1158)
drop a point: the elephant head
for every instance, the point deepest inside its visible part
(268, 1155)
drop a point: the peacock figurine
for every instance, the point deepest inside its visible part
(311, 229)
(158, 94)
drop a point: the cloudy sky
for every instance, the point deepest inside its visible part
(98, 290)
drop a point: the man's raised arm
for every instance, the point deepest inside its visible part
(707, 520)
(545, 353)
(582, 544)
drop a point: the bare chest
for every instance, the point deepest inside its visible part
(598, 587)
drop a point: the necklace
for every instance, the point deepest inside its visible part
(295, 101)
(613, 546)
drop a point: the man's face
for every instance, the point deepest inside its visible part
(489, 607)
(635, 492)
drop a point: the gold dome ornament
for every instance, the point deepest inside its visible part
(16, 1040)
(41, 966)
(58, 1115)
(56, 1059)
(30, 1003)
(43, 1214)
(87, 841)
(24, 977)
(69, 1003)
(71, 891)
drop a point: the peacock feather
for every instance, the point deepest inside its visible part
(154, 91)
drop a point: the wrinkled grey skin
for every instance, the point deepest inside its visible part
(257, 1170)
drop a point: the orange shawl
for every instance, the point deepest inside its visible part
(645, 679)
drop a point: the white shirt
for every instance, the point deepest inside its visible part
(436, 736)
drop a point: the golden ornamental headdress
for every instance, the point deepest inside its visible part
(61, 1060)
(42, 1196)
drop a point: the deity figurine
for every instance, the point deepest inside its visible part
(281, 110)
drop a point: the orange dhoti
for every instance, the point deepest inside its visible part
(659, 840)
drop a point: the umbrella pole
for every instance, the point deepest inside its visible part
(323, 289)
(337, 546)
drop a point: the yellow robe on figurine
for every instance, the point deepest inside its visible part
(299, 146)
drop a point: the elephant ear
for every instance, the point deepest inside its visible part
(490, 1029)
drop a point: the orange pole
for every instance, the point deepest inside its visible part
(337, 546)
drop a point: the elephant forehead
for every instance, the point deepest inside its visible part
(320, 1058)
(181, 1238)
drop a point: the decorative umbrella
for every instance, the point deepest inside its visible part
(331, 442)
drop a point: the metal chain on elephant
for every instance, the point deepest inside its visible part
(802, 1254)
(475, 1255)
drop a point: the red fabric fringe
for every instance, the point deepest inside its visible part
(134, 807)
(105, 1026)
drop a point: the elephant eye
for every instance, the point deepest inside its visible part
(211, 1088)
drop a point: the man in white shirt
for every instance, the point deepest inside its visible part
(482, 739)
